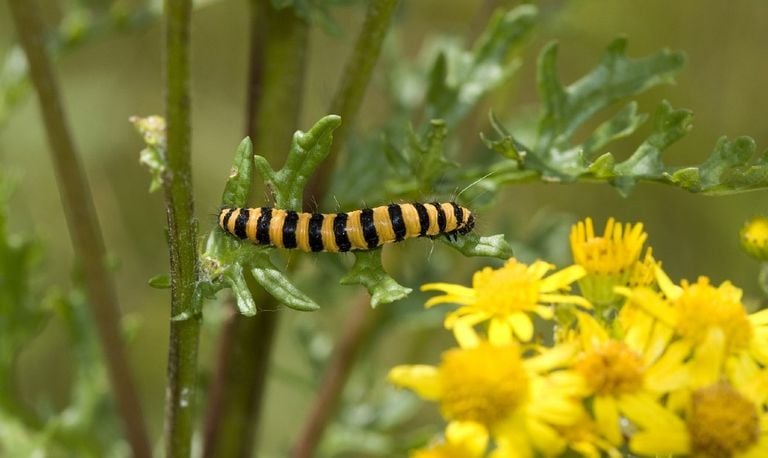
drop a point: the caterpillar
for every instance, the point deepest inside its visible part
(356, 230)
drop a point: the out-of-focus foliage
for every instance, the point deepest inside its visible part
(556, 158)
(83, 22)
(453, 85)
(87, 425)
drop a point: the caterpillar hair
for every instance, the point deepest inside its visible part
(356, 230)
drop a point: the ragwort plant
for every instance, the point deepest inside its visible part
(590, 374)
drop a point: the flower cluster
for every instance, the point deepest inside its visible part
(635, 363)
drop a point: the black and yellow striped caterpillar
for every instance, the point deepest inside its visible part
(356, 230)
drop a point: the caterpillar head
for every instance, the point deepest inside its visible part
(468, 224)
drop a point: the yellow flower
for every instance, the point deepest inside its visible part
(506, 297)
(626, 377)
(518, 400)
(754, 237)
(463, 439)
(644, 272)
(710, 321)
(609, 259)
(719, 422)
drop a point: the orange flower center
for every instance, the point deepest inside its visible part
(484, 384)
(612, 369)
(722, 422)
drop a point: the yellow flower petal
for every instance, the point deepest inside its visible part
(423, 379)
(592, 333)
(449, 299)
(473, 437)
(448, 288)
(670, 373)
(660, 442)
(671, 290)
(759, 318)
(561, 279)
(499, 332)
(637, 326)
(538, 269)
(552, 358)
(466, 336)
(544, 311)
(522, 326)
(466, 316)
(565, 299)
(708, 359)
(512, 442)
(607, 419)
(646, 412)
(545, 438)
(658, 340)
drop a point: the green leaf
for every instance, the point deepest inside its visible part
(459, 79)
(308, 149)
(161, 281)
(494, 246)
(431, 162)
(369, 272)
(670, 125)
(506, 145)
(726, 156)
(616, 77)
(240, 176)
(603, 166)
(279, 286)
(234, 278)
(623, 124)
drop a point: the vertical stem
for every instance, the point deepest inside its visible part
(84, 229)
(356, 330)
(354, 81)
(275, 87)
(185, 322)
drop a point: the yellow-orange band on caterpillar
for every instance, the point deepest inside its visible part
(356, 230)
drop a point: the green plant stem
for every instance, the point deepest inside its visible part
(182, 236)
(83, 224)
(236, 392)
(356, 328)
(275, 87)
(354, 81)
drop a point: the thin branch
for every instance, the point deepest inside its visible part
(275, 87)
(182, 237)
(83, 224)
(354, 81)
(356, 330)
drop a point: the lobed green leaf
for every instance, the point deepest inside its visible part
(308, 149)
(369, 272)
(615, 78)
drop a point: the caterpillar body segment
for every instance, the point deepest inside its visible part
(356, 230)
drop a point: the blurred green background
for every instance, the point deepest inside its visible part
(118, 75)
